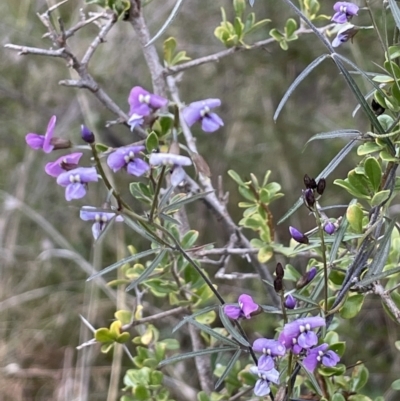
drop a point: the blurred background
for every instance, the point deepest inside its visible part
(46, 252)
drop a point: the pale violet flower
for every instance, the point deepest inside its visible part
(261, 388)
(100, 219)
(201, 111)
(344, 11)
(76, 181)
(175, 161)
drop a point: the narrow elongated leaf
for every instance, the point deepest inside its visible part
(304, 299)
(148, 270)
(297, 81)
(188, 199)
(324, 174)
(121, 262)
(363, 73)
(213, 333)
(339, 235)
(395, 11)
(377, 277)
(170, 219)
(380, 258)
(231, 329)
(165, 197)
(365, 106)
(312, 379)
(136, 227)
(193, 354)
(229, 367)
(186, 319)
(358, 107)
(167, 23)
(340, 133)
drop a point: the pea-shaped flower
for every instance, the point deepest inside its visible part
(261, 388)
(36, 141)
(344, 11)
(63, 163)
(270, 349)
(175, 161)
(75, 181)
(100, 219)
(247, 307)
(201, 111)
(127, 157)
(322, 355)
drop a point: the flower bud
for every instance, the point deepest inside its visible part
(329, 228)
(279, 271)
(306, 278)
(309, 182)
(87, 135)
(298, 236)
(377, 108)
(290, 302)
(278, 285)
(321, 186)
(309, 198)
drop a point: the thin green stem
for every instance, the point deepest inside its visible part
(282, 296)
(157, 191)
(324, 261)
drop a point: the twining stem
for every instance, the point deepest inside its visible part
(157, 191)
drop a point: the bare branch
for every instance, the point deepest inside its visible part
(153, 318)
(212, 200)
(100, 38)
(225, 53)
(387, 300)
(24, 50)
(70, 32)
(150, 53)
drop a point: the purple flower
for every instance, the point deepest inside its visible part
(270, 349)
(171, 159)
(344, 34)
(200, 111)
(100, 219)
(246, 308)
(261, 388)
(306, 278)
(344, 12)
(298, 236)
(142, 103)
(298, 335)
(87, 135)
(126, 157)
(76, 181)
(290, 302)
(36, 141)
(329, 227)
(63, 163)
(320, 354)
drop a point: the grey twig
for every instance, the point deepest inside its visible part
(24, 50)
(150, 53)
(387, 300)
(156, 317)
(71, 31)
(225, 53)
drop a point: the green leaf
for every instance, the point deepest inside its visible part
(141, 393)
(121, 262)
(169, 47)
(103, 335)
(354, 216)
(236, 177)
(168, 21)
(338, 236)
(377, 277)
(396, 385)
(290, 27)
(352, 306)
(374, 172)
(100, 147)
(297, 81)
(359, 377)
(184, 201)
(229, 327)
(338, 397)
(153, 265)
(151, 142)
(187, 319)
(380, 197)
(367, 148)
(193, 354)
(312, 379)
(229, 367)
(359, 182)
(341, 133)
(189, 239)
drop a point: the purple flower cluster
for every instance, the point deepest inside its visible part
(344, 12)
(247, 308)
(297, 337)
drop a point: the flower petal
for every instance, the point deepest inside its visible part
(86, 214)
(247, 305)
(261, 388)
(232, 311)
(330, 359)
(177, 176)
(97, 227)
(266, 362)
(34, 141)
(137, 167)
(265, 344)
(157, 159)
(47, 146)
(211, 122)
(75, 191)
(54, 168)
(307, 339)
(310, 362)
